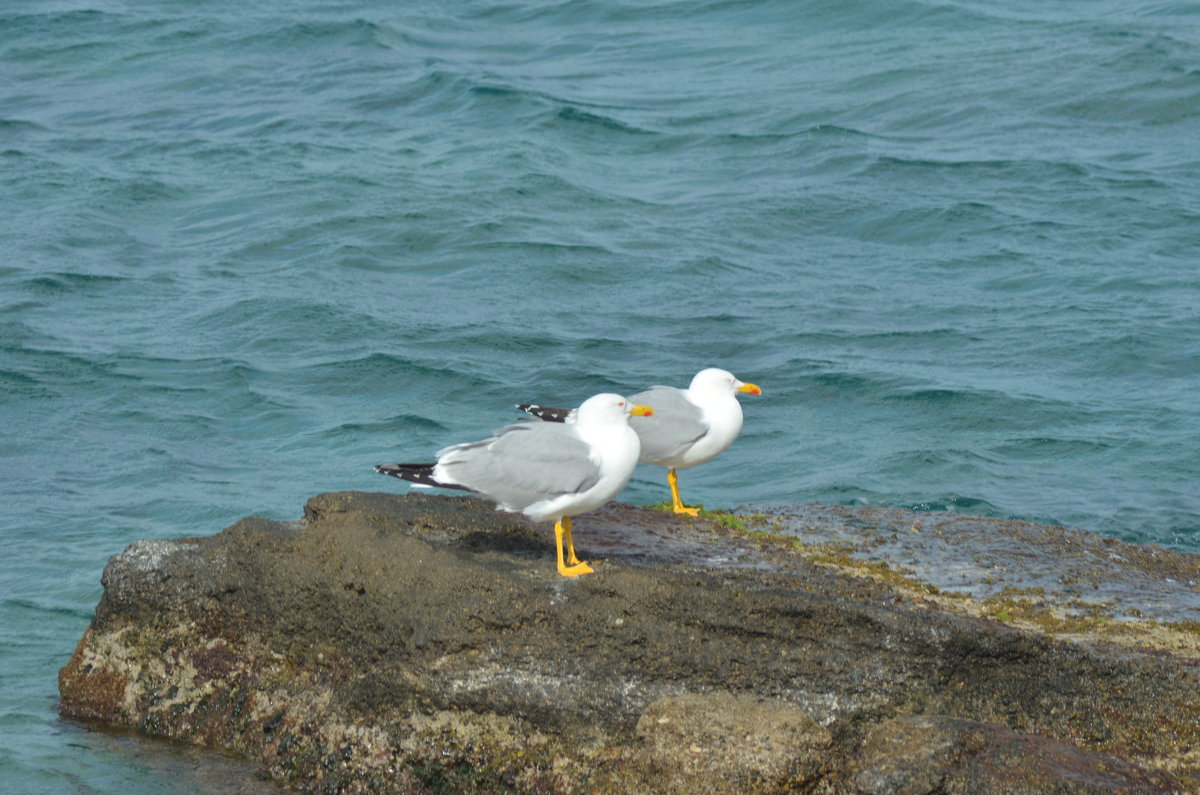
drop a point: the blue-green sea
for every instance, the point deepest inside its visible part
(249, 250)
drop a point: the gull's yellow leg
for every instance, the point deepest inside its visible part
(563, 528)
(571, 559)
(673, 479)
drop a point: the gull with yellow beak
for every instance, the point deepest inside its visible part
(544, 470)
(688, 426)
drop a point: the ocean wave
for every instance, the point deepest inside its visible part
(314, 33)
(36, 611)
(1039, 448)
(398, 424)
(68, 282)
(607, 124)
(18, 129)
(386, 366)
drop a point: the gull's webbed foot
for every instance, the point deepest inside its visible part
(571, 566)
(574, 571)
(676, 500)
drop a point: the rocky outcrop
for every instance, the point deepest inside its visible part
(417, 643)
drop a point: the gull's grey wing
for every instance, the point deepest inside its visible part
(675, 423)
(524, 464)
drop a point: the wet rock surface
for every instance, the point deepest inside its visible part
(1082, 573)
(418, 643)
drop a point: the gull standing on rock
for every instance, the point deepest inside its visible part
(688, 427)
(543, 470)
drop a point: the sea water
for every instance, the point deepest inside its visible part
(249, 250)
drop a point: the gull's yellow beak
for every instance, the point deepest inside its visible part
(750, 389)
(639, 410)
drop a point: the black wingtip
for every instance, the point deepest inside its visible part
(413, 472)
(545, 413)
(417, 474)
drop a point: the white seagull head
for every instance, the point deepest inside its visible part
(607, 408)
(717, 382)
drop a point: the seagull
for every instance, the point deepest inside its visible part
(688, 427)
(544, 470)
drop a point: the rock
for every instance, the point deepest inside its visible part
(419, 643)
(921, 755)
(733, 743)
